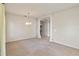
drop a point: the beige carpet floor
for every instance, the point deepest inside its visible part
(39, 47)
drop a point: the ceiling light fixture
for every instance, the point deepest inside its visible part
(28, 22)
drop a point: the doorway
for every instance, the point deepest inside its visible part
(45, 28)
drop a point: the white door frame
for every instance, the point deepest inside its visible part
(50, 24)
(3, 31)
(50, 28)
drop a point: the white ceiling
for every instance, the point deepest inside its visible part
(36, 9)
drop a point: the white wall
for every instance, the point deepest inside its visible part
(67, 27)
(38, 28)
(17, 30)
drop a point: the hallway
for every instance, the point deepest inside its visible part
(39, 47)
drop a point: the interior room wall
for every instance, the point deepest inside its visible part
(38, 28)
(17, 29)
(66, 30)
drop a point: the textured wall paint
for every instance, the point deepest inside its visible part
(17, 29)
(66, 25)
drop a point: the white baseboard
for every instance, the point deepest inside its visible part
(19, 40)
(65, 44)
